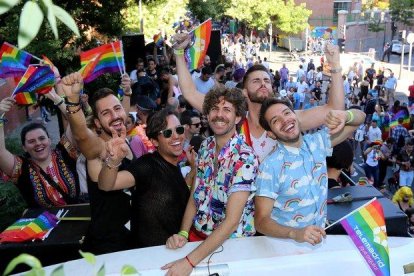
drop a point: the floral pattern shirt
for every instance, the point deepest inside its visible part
(234, 170)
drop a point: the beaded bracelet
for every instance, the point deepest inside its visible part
(111, 166)
(72, 111)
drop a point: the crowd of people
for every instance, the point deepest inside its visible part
(215, 153)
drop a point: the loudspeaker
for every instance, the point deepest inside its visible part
(395, 219)
(214, 48)
(134, 48)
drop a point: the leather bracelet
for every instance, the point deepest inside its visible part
(68, 103)
(335, 70)
(72, 111)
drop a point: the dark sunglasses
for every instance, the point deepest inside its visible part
(168, 132)
(196, 125)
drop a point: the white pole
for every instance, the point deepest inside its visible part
(409, 57)
(344, 217)
(402, 60)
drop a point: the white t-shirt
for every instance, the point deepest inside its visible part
(374, 134)
(263, 145)
(301, 90)
(204, 86)
(372, 158)
(360, 133)
(133, 76)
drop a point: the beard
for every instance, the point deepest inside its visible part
(255, 98)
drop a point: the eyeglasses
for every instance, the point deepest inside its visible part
(197, 125)
(168, 132)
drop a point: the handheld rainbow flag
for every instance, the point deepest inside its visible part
(29, 229)
(38, 80)
(158, 39)
(200, 40)
(245, 131)
(13, 62)
(107, 58)
(47, 61)
(366, 227)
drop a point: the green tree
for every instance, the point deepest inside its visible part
(293, 18)
(402, 11)
(203, 9)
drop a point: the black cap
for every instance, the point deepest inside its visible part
(145, 103)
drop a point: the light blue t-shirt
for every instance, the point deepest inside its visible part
(391, 83)
(296, 178)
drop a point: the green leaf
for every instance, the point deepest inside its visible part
(129, 270)
(31, 19)
(5, 6)
(27, 259)
(51, 17)
(35, 272)
(101, 271)
(66, 19)
(89, 257)
(58, 271)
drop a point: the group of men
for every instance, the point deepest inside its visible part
(231, 194)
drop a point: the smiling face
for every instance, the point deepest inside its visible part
(222, 119)
(283, 123)
(258, 86)
(37, 144)
(110, 114)
(170, 148)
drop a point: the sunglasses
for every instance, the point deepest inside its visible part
(196, 125)
(168, 132)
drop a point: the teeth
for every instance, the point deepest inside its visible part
(176, 144)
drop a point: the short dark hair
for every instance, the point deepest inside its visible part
(140, 60)
(400, 120)
(342, 156)
(233, 96)
(157, 122)
(254, 68)
(30, 127)
(100, 94)
(185, 118)
(266, 105)
(206, 70)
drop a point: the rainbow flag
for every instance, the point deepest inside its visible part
(29, 229)
(47, 61)
(200, 40)
(366, 227)
(38, 80)
(244, 130)
(158, 40)
(107, 58)
(392, 121)
(13, 62)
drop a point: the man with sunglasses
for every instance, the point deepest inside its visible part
(161, 194)
(257, 87)
(222, 201)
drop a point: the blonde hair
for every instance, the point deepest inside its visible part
(403, 192)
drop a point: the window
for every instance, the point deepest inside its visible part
(338, 6)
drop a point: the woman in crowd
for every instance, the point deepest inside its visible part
(403, 198)
(46, 177)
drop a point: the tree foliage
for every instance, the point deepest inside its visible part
(372, 4)
(402, 11)
(293, 18)
(203, 9)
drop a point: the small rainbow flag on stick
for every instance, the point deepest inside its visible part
(158, 39)
(107, 58)
(13, 61)
(38, 80)
(29, 229)
(366, 227)
(199, 44)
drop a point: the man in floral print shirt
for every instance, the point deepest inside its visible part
(222, 202)
(292, 181)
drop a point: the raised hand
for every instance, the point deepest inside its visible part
(335, 120)
(6, 104)
(126, 84)
(332, 55)
(180, 41)
(72, 86)
(117, 148)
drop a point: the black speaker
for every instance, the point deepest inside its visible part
(134, 48)
(214, 48)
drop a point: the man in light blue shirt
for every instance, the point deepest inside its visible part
(390, 85)
(292, 182)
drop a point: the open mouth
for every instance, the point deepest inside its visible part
(117, 124)
(176, 145)
(39, 149)
(289, 127)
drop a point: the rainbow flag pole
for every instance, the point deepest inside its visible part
(351, 213)
(117, 61)
(123, 60)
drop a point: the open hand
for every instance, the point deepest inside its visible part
(179, 267)
(117, 148)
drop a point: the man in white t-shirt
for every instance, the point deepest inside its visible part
(303, 90)
(204, 83)
(374, 132)
(134, 73)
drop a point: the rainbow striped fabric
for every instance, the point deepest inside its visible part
(199, 44)
(13, 62)
(245, 131)
(366, 227)
(108, 58)
(158, 40)
(390, 122)
(38, 80)
(29, 229)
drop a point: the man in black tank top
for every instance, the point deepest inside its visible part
(110, 211)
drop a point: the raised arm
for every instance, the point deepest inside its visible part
(344, 123)
(126, 87)
(187, 86)
(88, 142)
(116, 150)
(315, 117)
(7, 158)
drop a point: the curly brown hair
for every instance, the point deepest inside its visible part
(233, 96)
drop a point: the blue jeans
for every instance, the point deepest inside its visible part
(372, 172)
